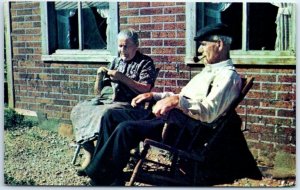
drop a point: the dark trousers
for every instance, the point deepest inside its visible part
(121, 131)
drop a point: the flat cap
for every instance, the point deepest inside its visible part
(209, 30)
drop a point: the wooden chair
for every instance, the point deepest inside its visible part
(171, 172)
(79, 145)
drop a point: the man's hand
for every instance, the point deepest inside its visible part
(140, 98)
(162, 107)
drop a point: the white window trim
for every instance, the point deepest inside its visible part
(238, 56)
(81, 55)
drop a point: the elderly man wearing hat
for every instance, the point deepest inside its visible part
(206, 97)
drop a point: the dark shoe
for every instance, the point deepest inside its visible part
(81, 173)
(118, 182)
(99, 183)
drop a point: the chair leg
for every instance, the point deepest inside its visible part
(135, 171)
(78, 146)
(138, 166)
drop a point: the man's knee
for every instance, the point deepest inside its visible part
(124, 126)
(109, 113)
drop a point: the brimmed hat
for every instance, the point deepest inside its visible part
(209, 30)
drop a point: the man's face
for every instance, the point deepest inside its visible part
(210, 51)
(127, 48)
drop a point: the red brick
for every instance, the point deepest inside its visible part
(158, 26)
(36, 24)
(78, 78)
(163, 34)
(277, 87)
(277, 104)
(53, 107)
(291, 79)
(145, 34)
(32, 18)
(174, 42)
(180, 18)
(87, 72)
(18, 31)
(25, 50)
(52, 83)
(261, 95)
(33, 57)
(129, 12)
(174, 10)
(277, 70)
(174, 26)
(28, 38)
(139, 19)
(163, 50)
(163, 18)
(255, 128)
(162, 4)
(135, 27)
(138, 4)
(33, 5)
(151, 42)
(175, 59)
(261, 111)
(151, 11)
(24, 12)
(180, 3)
(286, 96)
(146, 51)
(17, 5)
(19, 44)
(180, 50)
(287, 113)
(33, 31)
(123, 20)
(182, 82)
(36, 11)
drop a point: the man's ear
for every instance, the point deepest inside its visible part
(220, 45)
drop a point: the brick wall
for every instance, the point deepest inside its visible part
(270, 110)
(161, 27)
(52, 88)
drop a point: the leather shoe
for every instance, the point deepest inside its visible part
(99, 183)
(81, 173)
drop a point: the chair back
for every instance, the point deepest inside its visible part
(156, 75)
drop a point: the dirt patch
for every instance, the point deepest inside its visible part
(34, 156)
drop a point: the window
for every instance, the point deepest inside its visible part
(263, 33)
(79, 31)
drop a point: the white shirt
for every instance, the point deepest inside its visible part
(225, 88)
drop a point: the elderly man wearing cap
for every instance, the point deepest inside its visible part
(206, 97)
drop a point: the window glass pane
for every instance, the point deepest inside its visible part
(94, 18)
(233, 17)
(227, 13)
(262, 26)
(67, 25)
(264, 32)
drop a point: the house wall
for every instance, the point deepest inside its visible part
(54, 88)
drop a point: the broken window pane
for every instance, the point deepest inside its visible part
(67, 25)
(268, 25)
(93, 26)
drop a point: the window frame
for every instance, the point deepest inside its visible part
(79, 55)
(243, 56)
